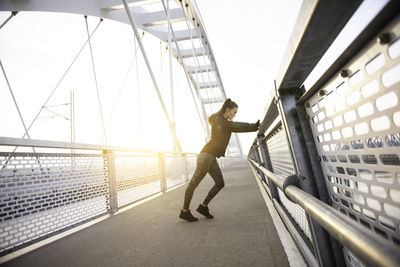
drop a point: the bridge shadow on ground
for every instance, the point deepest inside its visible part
(241, 234)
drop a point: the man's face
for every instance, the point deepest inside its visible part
(231, 113)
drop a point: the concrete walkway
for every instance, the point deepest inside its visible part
(241, 234)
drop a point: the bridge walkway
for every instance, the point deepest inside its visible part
(151, 234)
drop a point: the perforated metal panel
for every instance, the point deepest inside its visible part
(43, 193)
(282, 165)
(355, 124)
(224, 162)
(191, 164)
(137, 176)
(175, 170)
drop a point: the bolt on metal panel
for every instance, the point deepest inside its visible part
(355, 124)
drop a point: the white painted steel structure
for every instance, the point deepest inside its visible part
(329, 157)
(61, 185)
(46, 193)
(198, 61)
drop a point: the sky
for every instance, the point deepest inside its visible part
(36, 50)
(248, 40)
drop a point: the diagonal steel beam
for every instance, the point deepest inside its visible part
(153, 78)
(189, 78)
(13, 13)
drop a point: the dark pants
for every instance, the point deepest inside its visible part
(205, 163)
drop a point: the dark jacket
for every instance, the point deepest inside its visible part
(221, 133)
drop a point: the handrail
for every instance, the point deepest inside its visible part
(11, 141)
(368, 246)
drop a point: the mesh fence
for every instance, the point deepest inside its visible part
(43, 193)
(175, 170)
(282, 165)
(137, 176)
(355, 124)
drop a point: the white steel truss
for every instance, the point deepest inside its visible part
(197, 58)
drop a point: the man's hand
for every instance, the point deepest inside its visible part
(258, 124)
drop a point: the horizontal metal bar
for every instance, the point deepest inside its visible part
(52, 154)
(202, 68)
(208, 84)
(213, 100)
(305, 251)
(10, 141)
(187, 53)
(116, 4)
(318, 24)
(270, 113)
(272, 176)
(367, 246)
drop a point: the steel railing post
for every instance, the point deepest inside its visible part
(317, 170)
(287, 108)
(266, 162)
(111, 177)
(185, 163)
(258, 159)
(153, 78)
(369, 247)
(161, 166)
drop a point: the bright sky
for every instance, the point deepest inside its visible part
(37, 48)
(248, 40)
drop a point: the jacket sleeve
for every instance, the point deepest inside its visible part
(235, 126)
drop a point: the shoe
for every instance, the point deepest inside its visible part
(186, 215)
(204, 210)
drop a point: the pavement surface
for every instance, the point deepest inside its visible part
(241, 234)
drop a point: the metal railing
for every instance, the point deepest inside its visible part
(369, 247)
(341, 139)
(65, 185)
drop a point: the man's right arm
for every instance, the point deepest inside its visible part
(236, 126)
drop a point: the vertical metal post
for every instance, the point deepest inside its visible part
(266, 162)
(173, 126)
(112, 186)
(187, 20)
(185, 164)
(263, 152)
(256, 153)
(72, 121)
(146, 60)
(290, 119)
(317, 170)
(251, 153)
(161, 167)
(72, 117)
(191, 85)
(258, 159)
(139, 95)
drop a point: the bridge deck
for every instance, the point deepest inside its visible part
(241, 234)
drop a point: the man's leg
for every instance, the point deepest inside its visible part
(216, 174)
(204, 162)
